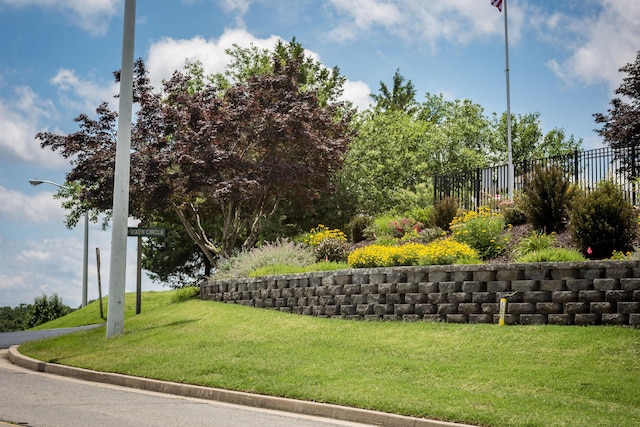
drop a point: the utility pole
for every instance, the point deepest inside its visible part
(118, 262)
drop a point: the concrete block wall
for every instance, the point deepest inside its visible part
(579, 293)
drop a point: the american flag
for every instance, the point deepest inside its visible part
(497, 3)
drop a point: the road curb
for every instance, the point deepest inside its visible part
(234, 397)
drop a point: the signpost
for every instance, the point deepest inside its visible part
(141, 232)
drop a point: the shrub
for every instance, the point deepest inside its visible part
(389, 226)
(482, 230)
(357, 227)
(327, 244)
(45, 309)
(185, 293)
(603, 221)
(282, 251)
(331, 250)
(552, 255)
(448, 251)
(423, 215)
(444, 211)
(322, 232)
(426, 235)
(512, 211)
(547, 198)
(534, 242)
(437, 252)
(385, 256)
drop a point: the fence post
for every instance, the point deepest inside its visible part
(477, 188)
(575, 167)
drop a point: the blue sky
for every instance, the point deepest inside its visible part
(57, 59)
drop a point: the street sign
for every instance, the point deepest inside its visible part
(146, 232)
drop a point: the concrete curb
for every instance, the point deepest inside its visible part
(336, 412)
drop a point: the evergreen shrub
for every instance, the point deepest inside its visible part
(546, 199)
(603, 221)
(444, 211)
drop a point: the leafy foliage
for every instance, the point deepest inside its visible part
(401, 97)
(621, 126)
(547, 197)
(45, 309)
(552, 255)
(483, 230)
(536, 241)
(604, 221)
(513, 211)
(444, 211)
(14, 319)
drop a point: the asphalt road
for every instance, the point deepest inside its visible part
(30, 398)
(7, 339)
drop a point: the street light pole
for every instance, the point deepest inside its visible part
(85, 263)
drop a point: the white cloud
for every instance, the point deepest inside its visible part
(421, 22)
(83, 95)
(54, 265)
(39, 208)
(92, 16)
(357, 92)
(601, 44)
(20, 120)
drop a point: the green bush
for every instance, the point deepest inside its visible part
(422, 215)
(444, 211)
(536, 241)
(185, 293)
(426, 235)
(603, 221)
(331, 250)
(356, 228)
(393, 226)
(552, 255)
(512, 211)
(546, 199)
(45, 309)
(482, 230)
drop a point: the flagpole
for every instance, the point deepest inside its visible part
(510, 172)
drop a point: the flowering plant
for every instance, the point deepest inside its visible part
(483, 230)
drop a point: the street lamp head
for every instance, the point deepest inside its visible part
(35, 182)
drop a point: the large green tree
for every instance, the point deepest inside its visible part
(621, 125)
(401, 96)
(528, 141)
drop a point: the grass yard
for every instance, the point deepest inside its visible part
(479, 374)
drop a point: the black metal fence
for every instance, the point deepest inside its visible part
(487, 186)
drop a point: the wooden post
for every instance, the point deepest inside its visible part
(99, 282)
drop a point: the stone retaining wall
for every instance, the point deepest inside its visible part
(578, 293)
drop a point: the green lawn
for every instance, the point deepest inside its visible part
(479, 374)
